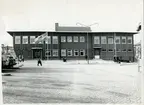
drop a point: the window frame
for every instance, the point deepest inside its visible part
(82, 50)
(117, 38)
(103, 50)
(96, 39)
(71, 52)
(25, 37)
(63, 38)
(110, 51)
(48, 40)
(32, 37)
(64, 52)
(76, 50)
(129, 37)
(102, 39)
(68, 39)
(123, 37)
(16, 38)
(75, 40)
(55, 50)
(81, 39)
(48, 54)
(124, 50)
(54, 38)
(112, 40)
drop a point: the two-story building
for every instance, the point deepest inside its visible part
(72, 44)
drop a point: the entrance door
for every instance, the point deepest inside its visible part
(37, 53)
(97, 52)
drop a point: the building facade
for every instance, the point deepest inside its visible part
(74, 45)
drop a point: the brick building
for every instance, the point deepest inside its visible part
(73, 42)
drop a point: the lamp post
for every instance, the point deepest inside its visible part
(87, 38)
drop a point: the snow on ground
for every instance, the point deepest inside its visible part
(74, 81)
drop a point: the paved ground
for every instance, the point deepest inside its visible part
(72, 82)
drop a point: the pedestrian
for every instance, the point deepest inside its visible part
(86, 57)
(39, 62)
(22, 58)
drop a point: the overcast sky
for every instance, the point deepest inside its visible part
(112, 15)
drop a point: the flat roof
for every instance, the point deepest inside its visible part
(10, 32)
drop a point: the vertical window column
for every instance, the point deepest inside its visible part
(96, 40)
(17, 40)
(25, 39)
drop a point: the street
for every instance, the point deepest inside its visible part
(73, 82)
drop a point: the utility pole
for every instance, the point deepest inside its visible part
(115, 47)
(87, 38)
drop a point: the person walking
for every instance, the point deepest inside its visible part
(39, 62)
(86, 57)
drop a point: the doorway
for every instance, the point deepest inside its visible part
(97, 52)
(37, 53)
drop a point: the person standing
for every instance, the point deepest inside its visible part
(39, 62)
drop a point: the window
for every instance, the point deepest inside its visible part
(82, 39)
(123, 40)
(110, 50)
(129, 41)
(32, 39)
(75, 38)
(76, 53)
(103, 50)
(117, 39)
(55, 52)
(25, 39)
(40, 42)
(55, 39)
(63, 52)
(110, 40)
(63, 39)
(48, 40)
(48, 53)
(103, 40)
(96, 40)
(69, 52)
(17, 40)
(129, 50)
(118, 50)
(69, 39)
(123, 50)
(82, 52)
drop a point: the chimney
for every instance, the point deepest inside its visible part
(56, 26)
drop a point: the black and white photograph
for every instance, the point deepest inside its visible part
(72, 51)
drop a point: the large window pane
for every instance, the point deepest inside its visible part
(76, 52)
(17, 40)
(82, 39)
(55, 39)
(129, 40)
(55, 52)
(110, 40)
(103, 40)
(25, 39)
(117, 39)
(32, 39)
(48, 53)
(69, 38)
(75, 38)
(63, 39)
(123, 40)
(48, 40)
(82, 52)
(96, 40)
(63, 52)
(69, 52)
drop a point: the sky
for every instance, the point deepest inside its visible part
(111, 15)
